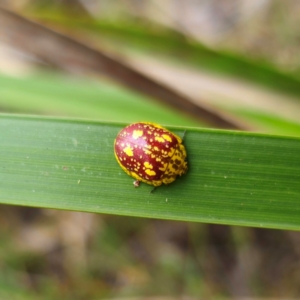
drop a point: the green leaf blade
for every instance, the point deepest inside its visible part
(234, 177)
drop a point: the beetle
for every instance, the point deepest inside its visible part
(150, 153)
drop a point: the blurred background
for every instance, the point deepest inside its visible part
(221, 64)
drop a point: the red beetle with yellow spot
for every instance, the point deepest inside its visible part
(150, 153)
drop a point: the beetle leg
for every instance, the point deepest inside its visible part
(152, 191)
(136, 183)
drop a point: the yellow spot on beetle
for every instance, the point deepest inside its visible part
(167, 137)
(150, 172)
(148, 165)
(164, 167)
(128, 151)
(160, 139)
(137, 133)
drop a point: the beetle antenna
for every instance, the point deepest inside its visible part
(183, 135)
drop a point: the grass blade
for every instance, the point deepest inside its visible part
(234, 177)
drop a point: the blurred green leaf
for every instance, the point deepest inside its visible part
(234, 177)
(56, 95)
(136, 36)
(268, 122)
